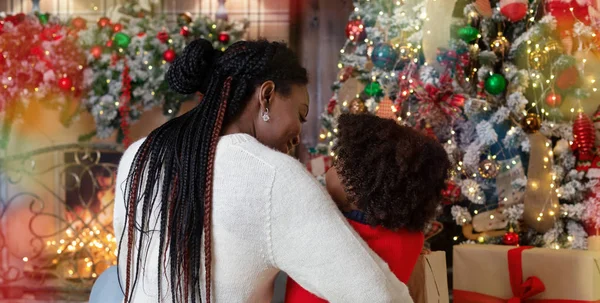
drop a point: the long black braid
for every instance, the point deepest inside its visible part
(174, 165)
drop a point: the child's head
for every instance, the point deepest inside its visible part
(392, 173)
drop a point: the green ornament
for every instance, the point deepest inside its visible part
(374, 89)
(384, 56)
(122, 40)
(44, 18)
(495, 84)
(468, 33)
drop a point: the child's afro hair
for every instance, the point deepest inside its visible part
(392, 173)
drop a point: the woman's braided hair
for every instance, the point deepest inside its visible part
(175, 162)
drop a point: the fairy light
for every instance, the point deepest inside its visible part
(491, 217)
(25, 259)
(481, 239)
(455, 238)
(107, 81)
(475, 211)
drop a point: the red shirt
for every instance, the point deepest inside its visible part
(400, 249)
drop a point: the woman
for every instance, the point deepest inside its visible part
(218, 206)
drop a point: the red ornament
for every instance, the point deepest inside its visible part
(117, 27)
(103, 22)
(96, 51)
(510, 238)
(169, 55)
(513, 10)
(162, 37)
(553, 100)
(51, 33)
(567, 78)
(224, 37)
(79, 23)
(451, 193)
(184, 31)
(355, 30)
(331, 105)
(142, 34)
(65, 83)
(109, 43)
(584, 135)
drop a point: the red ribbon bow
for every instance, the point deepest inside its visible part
(522, 290)
(440, 97)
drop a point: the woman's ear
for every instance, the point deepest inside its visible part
(266, 93)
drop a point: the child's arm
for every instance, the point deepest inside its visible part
(312, 242)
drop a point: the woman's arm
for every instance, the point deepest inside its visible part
(313, 243)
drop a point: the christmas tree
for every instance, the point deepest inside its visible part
(507, 87)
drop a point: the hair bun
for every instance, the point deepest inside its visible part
(191, 71)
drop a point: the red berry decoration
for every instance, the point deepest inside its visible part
(184, 31)
(162, 37)
(553, 100)
(142, 34)
(65, 83)
(169, 55)
(96, 51)
(79, 23)
(224, 37)
(510, 238)
(451, 193)
(117, 27)
(355, 30)
(103, 22)
(109, 43)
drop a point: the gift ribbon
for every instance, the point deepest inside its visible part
(442, 97)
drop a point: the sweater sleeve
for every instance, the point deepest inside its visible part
(312, 242)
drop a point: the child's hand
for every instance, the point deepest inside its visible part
(425, 251)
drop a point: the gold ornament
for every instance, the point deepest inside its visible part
(406, 53)
(537, 59)
(488, 168)
(185, 18)
(531, 123)
(357, 106)
(553, 47)
(500, 45)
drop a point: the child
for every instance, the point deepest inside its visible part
(387, 181)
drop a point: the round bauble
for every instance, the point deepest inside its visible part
(531, 123)
(384, 56)
(79, 23)
(103, 22)
(224, 37)
(468, 33)
(553, 100)
(495, 84)
(162, 37)
(500, 45)
(357, 106)
(122, 40)
(169, 55)
(510, 238)
(117, 27)
(488, 169)
(65, 83)
(96, 51)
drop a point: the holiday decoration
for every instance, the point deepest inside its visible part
(79, 23)
(102, 22)
(553, 100)
(184, 18)
(43, 18)
(224, 37)
(513, 10)
(468, 33)
(117, 27)
(567, 78)
(531, 123)
(184, 31)
(386, 109)
(500, 45)
(488, 169)
(584, 135)
(355, 30)
(510, 238)
(169, 55)
(122, 40)
(109, 43)
(495, 84)
(96, 51)
(451, 193)
(484, 7)
(65, 83)
(537, 59)
(374, 89)
(357, 106)
(162, 37)
(384, 56)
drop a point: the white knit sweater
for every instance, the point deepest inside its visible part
(269, 214)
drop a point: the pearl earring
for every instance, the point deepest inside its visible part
(265, 115)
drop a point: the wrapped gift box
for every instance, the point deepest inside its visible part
(429, 281)
(494, 273)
